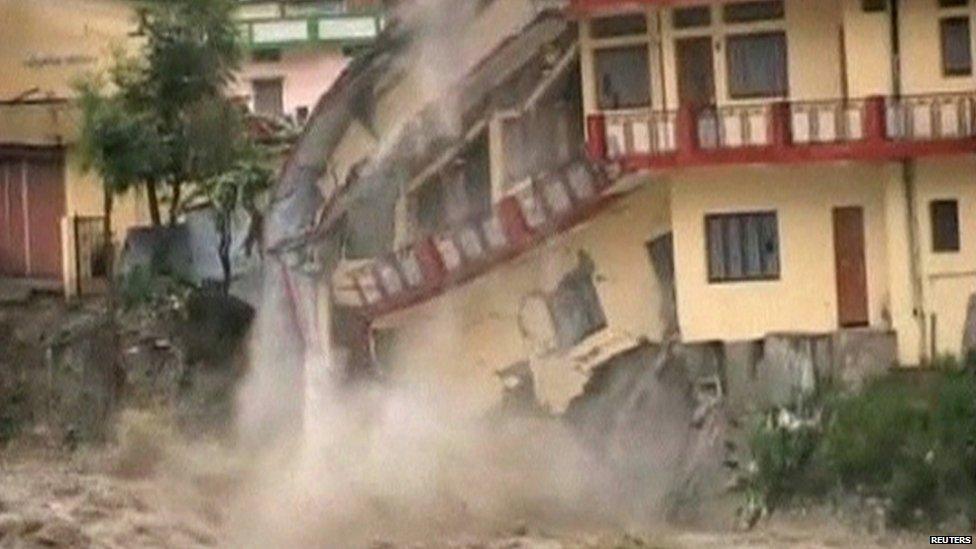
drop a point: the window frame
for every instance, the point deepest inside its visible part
(719, 31)
(722, 280)
(598, 84)
(784, 92)
(954, 244)
(596, 45)
(944, 22)
(278, 81)
(781, 4)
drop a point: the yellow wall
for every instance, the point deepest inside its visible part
(921, 49)
(949, 278)
(804, 298)
(460, 340)
(867, 45)
(48, 43)
(816, 63)
(814, 52)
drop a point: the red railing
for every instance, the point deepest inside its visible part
(425, 267)
(932, 117)
(874, 127)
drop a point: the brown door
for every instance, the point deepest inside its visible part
(13, 249)
(45, 207)
(696, 71)
(852, 279)
(32, 202)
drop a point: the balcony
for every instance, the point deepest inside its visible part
(432, 264)
(875, 128)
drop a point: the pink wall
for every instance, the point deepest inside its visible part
(306, 74)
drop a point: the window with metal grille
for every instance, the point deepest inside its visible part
(945, 225)
(622, 77)
(269, 97)
(757, 65)
(747, 12)
(957, 46)
(742, 246)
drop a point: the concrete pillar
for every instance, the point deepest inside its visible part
(69, 259)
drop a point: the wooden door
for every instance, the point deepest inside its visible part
(852, 280)
(32, 203)
(696, 71)
(13, 249)
(45, 208)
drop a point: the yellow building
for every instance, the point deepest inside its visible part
(50, 210)
(755, 168)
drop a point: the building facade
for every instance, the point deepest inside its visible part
(50, 209)
(751, 168)
(296, 50)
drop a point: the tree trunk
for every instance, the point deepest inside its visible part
(174, 206)
(224, 228)
(108, 204)
(153, 203)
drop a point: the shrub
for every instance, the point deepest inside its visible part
(908, 439)
(867, 431)
(782, 446)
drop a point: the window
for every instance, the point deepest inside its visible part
(945, 225)
(757, 65)
(687, 18)
(618, 25)
(575, 306)
(748, 12)
(953, 3)
(268, 98)
(742, 247)
(957, 48)
(622, 77)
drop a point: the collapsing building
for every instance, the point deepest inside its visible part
(526, 195)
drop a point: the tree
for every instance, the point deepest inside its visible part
(165, 121)
(235, 190)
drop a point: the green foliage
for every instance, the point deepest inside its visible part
(147, 287)
(867, 430)
(120, 143)
(162, 117)
(783, 446)
(909, 440)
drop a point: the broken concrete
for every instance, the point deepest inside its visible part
(85, 378)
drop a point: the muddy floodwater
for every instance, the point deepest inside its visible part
(48, 499)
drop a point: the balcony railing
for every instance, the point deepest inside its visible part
(346, 29)
(424, 268)
(875, 127)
